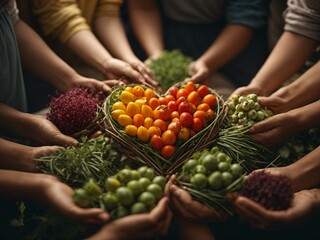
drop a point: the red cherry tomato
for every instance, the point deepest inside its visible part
(172, 105)
(173, 91)
(203, 90)
(156, 142)
(186, 119)
(197, 125)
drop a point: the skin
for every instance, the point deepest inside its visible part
(287, 57)
(284, 125)
(49, 191)
(34, 52)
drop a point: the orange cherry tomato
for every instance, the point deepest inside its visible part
(203, 90)
(210, 115)
(156, 142)
(162, 125)
(203, 106)
(138, 120)
(170, 98)
(180, 100)
(153, 130)
(162, 112)
(168, 151)
(174, 114)
(201, 115)
(154, 103)
(168, 137)
(163, 101)
(173, 91)
(182, 93)
(197, 125)
(210, 99)
(184, 134)
(174, 127)
(138, 91)
(194, 98)
(190, 86)
(149, 93)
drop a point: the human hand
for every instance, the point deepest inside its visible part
(275, 129)
(139, 226)
(251, 88)
(191, 210)
(199, 71)
(45, 132)
(304, 206)
(59, 196)
(275, 104)
(144, 71)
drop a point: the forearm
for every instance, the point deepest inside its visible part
(302, 91)
(17, 124)
(88, 48)
(38, 58)
(147, 26)
(112, 34)
(308, 116)
(22, 185)
(288, 56)
(305, 172)
(231, 41)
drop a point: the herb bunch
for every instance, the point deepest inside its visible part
(93, 158)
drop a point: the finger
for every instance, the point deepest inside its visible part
(46, 150)
(159, 212)
(168, 185)
(180, 200)
(146, 74)
(264, 125)
(167, 223)
(96, 134)
(90, 215)
(133, 74)
(64, 140)
(199, 77)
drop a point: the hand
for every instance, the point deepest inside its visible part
(59, 196)
(275, 129)
(191, 210)
(48, 134)
(117, 68)
(303, 207)
(144, 71)
(199, 71)
(249, 89)
(275, 104)
(139, 226)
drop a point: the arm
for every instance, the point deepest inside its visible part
(147, 26)
(49, 191)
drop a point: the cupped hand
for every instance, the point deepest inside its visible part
(248, 90)
(139, 226)
(274, 103)
(59, 196)
(191, 210)
(275, 129)
(303, 207)
(46, 133)
(199, 71)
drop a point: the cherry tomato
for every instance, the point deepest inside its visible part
(168, 137)
(190, 86)
(148, 122)
(203, 106)
(184, 134)
(186, 119)
(118, 105)
(149, 93)
(210, 115)
(162, 112)
(168, 151)
(163, 101)
(201, 115)
(138, 120)
(170, 98)
(194, 98)
(180, 100)
(174, 114)
(156, 142)
(125, 120)
(203, 91)
(174, 127)
(182, 93)
(154, 103)
(143, 134)
(138, 91)
(162, 125)
(132, 109)
(153, 130)
(210, 99)
(131, 130)
(172, 105)
(146, 111)
(173, 91)
(197, 125)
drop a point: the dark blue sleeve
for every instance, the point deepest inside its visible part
(251, 13)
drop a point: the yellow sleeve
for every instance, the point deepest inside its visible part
(108, 8)
(59, 19)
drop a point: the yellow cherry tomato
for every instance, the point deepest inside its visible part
(146, 111)
(149, 93)
(143, 134)
(126, 97)
(132, 109)
(125, 120)
(148, 122)
(118, 105)
(116, 113)
(131, 130)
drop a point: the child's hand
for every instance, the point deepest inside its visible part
(192, 210)
(59, 196)
(139, 226)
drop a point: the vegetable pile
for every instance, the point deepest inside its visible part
(171, 67)
(165, 122)
(209, 176)
(74, 110)
(246, 110)
(127, 192)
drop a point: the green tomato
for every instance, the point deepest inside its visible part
(135, 175)
(124, 175)
(214, 150)
(135, 187)
(110, 201)
(138, 208)
(227, 178)
(221, 157)
(125, 196)
(223, 166)
(121, 212)
(156, 190)
(148, 199)
(81, 197)
(161, 181)
(199, 181)
(92, 188)
(144, 182)
(112, 184)
(190, 165)
(215, 180)
(200, 169)
(236, 170)
(210, 162)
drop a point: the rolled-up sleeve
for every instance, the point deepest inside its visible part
(303, 17)
(108, 8)
(251, 13)
(59, 19)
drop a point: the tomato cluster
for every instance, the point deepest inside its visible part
(162, 121)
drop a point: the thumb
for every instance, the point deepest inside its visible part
(64, 140)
